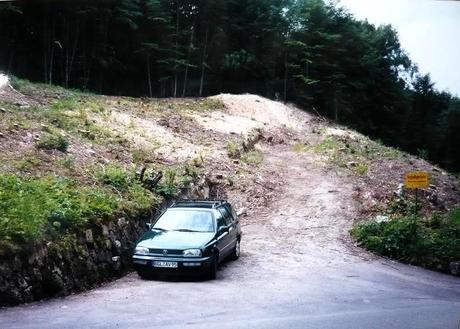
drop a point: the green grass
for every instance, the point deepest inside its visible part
(115, 176)
(300, 148)
(252, 157)
(67, 162)
(233, 149)
(53, 141)
(431, 242)
(28, 162)
(356, 153)
(31, 208)
(361, 169)
(35, 209)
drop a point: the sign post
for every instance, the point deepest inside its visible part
(416, 180)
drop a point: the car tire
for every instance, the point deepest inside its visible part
(236, 251)
(212, 270)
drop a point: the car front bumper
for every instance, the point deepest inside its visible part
(184, 264)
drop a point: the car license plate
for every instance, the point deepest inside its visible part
(165, 264)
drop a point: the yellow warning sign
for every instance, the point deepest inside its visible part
(416, 179)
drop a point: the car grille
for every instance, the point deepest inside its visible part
(169, 252)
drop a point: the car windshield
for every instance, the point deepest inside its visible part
(186, 221)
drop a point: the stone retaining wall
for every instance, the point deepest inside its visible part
(74, 263)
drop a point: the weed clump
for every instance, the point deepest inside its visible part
(115, 176)
(53, 141)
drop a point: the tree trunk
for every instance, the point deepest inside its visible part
(70, 55)
(336, 106)
(203, 62)
(177, 51)
(45, 46)
(285, 75)
(190, 47)
(52, 44)
(149, 79)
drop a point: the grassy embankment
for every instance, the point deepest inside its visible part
(67, 162)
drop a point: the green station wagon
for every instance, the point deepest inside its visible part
(190, 236)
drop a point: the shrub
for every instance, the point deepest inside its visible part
(233, 149)
(115, 176)
(431, 242)
(252, 157)
(53, 141)
(361, 169)
(139, 200)
(168, 186)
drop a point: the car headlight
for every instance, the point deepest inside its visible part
(141, 250)
(192, 253)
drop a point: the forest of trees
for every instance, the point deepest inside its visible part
(305, 51)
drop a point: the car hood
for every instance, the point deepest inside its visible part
(174, 239)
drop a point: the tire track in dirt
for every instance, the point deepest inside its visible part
(306, 223)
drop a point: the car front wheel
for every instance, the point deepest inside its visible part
(236, 251)
(212, 270)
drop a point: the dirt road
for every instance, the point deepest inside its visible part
(298, 270)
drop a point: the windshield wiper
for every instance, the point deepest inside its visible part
(159, 229)
(185, 230)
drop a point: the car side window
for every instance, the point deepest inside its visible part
(231, 211)
(220, 220)
(226, 215)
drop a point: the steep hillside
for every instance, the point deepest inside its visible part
(73, 203)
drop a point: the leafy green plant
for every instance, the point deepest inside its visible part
(29, 161)
(138, 200)
(168, 186)
(252, 157)
(233, 149)
(114, 175)
(67, 162)
(53, 141)
(361, 169)
(433, 242)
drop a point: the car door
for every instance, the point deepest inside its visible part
(224, 239)
(228, 235)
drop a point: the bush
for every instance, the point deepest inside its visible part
(53, 141)
(139, 200)
(115, 176)
(35, 207)
(233, 149)
(431, 242)
(253, 157)
(168, 187)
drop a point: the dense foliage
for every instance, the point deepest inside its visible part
(315, 54)
(35, 208)
(431, 242)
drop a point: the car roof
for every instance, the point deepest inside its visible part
(209, 204)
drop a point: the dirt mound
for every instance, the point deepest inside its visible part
(265, 111)
(9, 94)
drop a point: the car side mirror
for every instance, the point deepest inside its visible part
(222, 230)
(148, 226)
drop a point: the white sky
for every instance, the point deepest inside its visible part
(429, 30)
